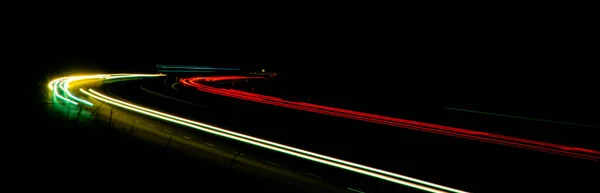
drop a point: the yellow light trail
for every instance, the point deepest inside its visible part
(415, 183)
(51, 84)
(65, 88)
(288, 147)
(115, 102)
(63, 83)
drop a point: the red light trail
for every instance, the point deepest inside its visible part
(373, 118)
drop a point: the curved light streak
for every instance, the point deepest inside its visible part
(415, 183)
(283, 146)
(432, 128)
(55, 88)
(63, 84)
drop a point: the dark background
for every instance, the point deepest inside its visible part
(529, 66)
(537, 65)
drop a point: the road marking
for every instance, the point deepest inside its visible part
(210, 145)
(167, 131)
(189, 138)
(150, 125)
(355, 190)
(313, 175)
(137, 121)
(271, 163)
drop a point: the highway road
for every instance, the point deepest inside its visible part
(167, 135)
(63, 88)
(572, 151)
(429, 157)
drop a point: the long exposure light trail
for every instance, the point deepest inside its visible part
(438, 129)
(470, 135)
(63, 84)
(415, 183)
(56, 93)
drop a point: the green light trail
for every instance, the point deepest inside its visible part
(61, 97)
(63, 84)
(65, 88)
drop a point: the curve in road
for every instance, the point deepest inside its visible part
(60, 88)
(564, 150)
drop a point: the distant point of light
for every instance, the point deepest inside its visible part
(263, 70)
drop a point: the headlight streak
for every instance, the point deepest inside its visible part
(63, 84)
(65, 88)
(55, 90)
(282, 146)
(415, 183)
(269, 145)
(439, 129)
(53, 82)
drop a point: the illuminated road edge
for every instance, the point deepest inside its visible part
(62, 84)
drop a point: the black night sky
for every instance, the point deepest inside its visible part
(470, 66)
(411, 68)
